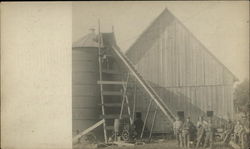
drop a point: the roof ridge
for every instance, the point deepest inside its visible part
(191, 33)
(203, 45)
(150, 24)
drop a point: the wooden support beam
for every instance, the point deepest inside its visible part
(113, 116)
(134, 105)
(86, 131)
(112, 93)
(121, 111)
(129, 112)
(125, 86)
(116, 99)
(146, 117)
(111, 105)
(100, 78)
(111, 82)
(111, 72)
(153, 123)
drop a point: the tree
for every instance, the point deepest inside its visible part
(241, 97)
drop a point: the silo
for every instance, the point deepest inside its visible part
(85, 91)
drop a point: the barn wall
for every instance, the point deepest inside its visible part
(190, 78)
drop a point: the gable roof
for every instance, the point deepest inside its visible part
(162, 20)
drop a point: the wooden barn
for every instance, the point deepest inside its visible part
(186, 75)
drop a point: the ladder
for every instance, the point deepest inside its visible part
(113, 95)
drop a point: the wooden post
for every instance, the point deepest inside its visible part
(123, 97)
(134, 105)
(153, 123)
(100, 77)
(145, 121)
(123, 100)
(75, 139)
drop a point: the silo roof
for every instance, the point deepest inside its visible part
(90, 40)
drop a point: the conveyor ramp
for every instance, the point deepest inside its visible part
(149, 90)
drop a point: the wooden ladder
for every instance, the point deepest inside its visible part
(109, 93)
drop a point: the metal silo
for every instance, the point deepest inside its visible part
(85, 91)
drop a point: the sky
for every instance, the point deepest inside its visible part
(223, 27)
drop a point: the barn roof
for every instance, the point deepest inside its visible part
(162, 20)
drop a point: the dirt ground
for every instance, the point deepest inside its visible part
(163, 145)
(170, 144)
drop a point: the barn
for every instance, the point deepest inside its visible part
(182, 70)
(166, 72)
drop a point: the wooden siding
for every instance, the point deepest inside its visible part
(183, 72)
(194, 100)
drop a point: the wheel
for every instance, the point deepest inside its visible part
(125, 135)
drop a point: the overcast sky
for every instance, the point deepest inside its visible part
(223, 27)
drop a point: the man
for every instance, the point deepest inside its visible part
(245, 135)
(228, 132)
(177, 126)
(200, 131)
(209, 132)
(237, 132)
(138, 124)
(186, 132)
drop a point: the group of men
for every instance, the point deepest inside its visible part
(199, 135)
(238, 133)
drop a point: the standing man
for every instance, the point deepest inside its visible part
(245, 143)
(186, 132)
(177, 126)
(200, 131)
(237, 132)
(229, 130)
(209, 132)
(138, 124)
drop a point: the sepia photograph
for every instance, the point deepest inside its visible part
(142, 78)
(125, 75)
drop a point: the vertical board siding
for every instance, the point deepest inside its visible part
(195, 101)
(190, 77)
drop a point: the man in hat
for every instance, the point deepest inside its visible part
(200, 131)
(228, 131)
(177, 126)
(237, 132)
(186, 132)
(209, 132)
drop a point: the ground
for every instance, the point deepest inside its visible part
(171, 144)
(163, 145)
